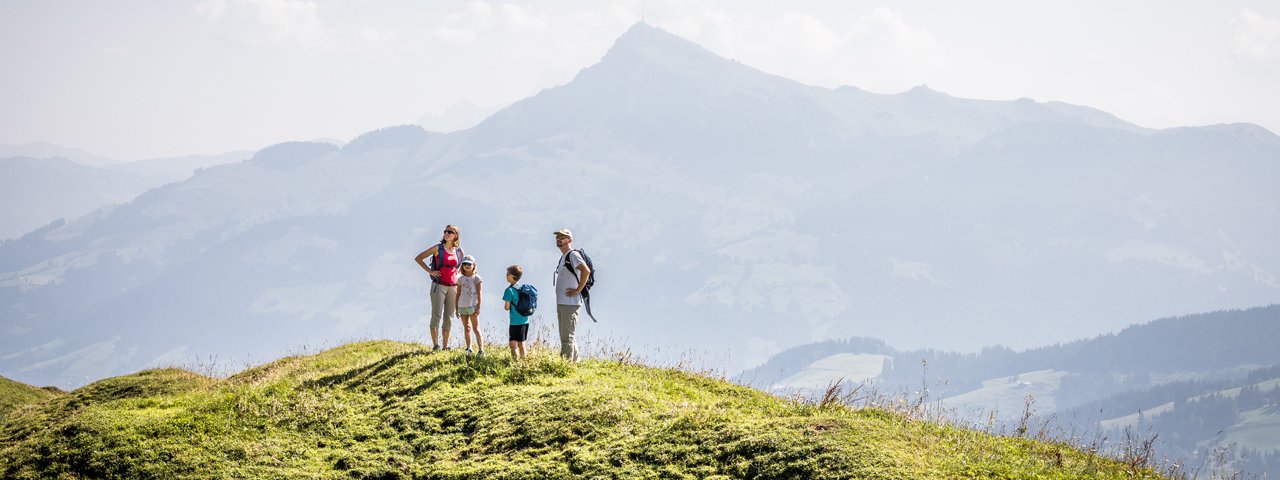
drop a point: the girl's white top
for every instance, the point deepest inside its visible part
(467, 290)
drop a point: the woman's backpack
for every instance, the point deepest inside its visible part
(437, 262)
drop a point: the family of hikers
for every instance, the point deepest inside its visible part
(456, 288)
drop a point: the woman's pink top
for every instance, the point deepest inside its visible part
(449, 271)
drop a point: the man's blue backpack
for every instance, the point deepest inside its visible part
(526, 299)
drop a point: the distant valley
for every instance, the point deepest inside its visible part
(1201, 382)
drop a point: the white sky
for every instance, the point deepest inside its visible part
(141, 79)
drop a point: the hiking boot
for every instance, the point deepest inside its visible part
(435, 348)
(467, 351)
(480, 352)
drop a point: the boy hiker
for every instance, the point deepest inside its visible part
(568, 285)
(519, 323)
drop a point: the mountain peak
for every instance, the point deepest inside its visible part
(642, 34)
(648, 43)
(922, 90)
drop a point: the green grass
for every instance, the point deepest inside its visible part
(385, 409)
(14, 395)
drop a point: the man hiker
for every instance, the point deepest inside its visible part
(568, 286)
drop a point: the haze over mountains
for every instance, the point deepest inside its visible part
(41, 183)
(729, 211)
(49, 150)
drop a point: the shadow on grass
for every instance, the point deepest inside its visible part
(360, 376)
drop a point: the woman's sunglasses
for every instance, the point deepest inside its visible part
(451, 231)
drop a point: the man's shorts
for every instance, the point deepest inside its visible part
(519, 333)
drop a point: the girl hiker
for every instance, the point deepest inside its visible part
(445, 259)
(469, 286)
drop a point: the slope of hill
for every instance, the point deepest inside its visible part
(395, 410)
(17, 394)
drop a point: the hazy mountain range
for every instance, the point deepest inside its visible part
(41, 183)
(731, 213)
(50, 150)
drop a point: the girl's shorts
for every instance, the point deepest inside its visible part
(466, 311)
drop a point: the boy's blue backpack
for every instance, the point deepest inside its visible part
(526, 299)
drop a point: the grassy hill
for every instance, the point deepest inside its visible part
(16, 394)
(386, 409)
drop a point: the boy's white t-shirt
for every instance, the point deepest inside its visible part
(467, 290)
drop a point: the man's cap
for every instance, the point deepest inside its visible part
(468, 259)
(563, 232)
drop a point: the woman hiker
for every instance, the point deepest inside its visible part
(446, 257)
